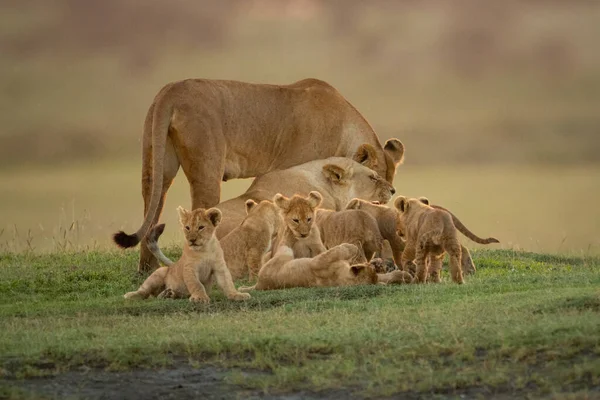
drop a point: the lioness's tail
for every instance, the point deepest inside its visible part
(465, 231)
(152, 243)
(161, 119)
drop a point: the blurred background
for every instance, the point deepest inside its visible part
(497, 103)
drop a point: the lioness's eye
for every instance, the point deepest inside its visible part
(296, 220)
(187, 228)
(308, 219)
(373, 178)
(200, 228)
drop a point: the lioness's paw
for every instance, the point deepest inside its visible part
(199, 298)
(239, 296)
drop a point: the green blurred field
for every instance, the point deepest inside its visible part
(537, 209)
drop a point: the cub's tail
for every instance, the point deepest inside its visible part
(465, 231)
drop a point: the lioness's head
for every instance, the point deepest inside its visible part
(298, 212)
(407, 207)
(385, 164)
(356, 180)
(199, 225)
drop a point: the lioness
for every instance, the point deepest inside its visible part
(430, 233)
(337, 179)
(300, 232)
(330, 268)
(202, 261)
(218, 130)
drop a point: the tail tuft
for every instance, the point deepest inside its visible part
(124, 240)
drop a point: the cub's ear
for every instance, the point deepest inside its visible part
(401, 204)
(183, 213)
(395, 150)
(366, 155)
(281, 201)
(356, 269)
(250, 204)
(214, 215)
(335, 173)
(353, 204)
(314, 199)
(424, 200)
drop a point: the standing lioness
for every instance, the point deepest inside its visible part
(219, 130)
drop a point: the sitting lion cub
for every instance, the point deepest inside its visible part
(300, 233)
(430, 232)
(330, 268)
(202, 259)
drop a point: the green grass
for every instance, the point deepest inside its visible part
(526, 323)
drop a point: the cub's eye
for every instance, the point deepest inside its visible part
(308, 219)
(296, 220)
(187, 228)
(200, 228)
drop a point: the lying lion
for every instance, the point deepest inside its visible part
(330, 268)
(201, 262)
(217, 130)
(430, 233)
(337, 179)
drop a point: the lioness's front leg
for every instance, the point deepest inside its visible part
(194, 286)
(225, 282)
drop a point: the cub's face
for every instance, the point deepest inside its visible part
(407, 207)
(198, 226)
(265, 210)
(298, 212)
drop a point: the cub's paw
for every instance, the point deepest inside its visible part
(167, 294)
(349, 250)
(134, 296)
(239, 296)
(199, 298)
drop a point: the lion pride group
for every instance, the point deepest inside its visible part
(316, 213)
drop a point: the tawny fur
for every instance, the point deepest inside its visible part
(330, 268)
(337, 179)
(350, 226)
(218, 130)
(300, 231)
(398, 277)
(429, 233)
(386, 220)
(201, 262)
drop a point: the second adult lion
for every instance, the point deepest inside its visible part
(218, 130)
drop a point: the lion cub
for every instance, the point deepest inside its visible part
(201, 261)
(430, 232)
(245, 246)
(330, 268)
(300, 232)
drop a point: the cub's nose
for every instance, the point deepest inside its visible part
(193, 242)
(392, 190)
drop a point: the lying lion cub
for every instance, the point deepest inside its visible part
(430, 233)
(202, 260)
(300, 233)
(330, 268)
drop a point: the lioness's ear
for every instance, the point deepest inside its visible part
(334, 173)
(183, 213)
(395, 149)
(401, 203)
(250, 204)
(353, 204)
(214, 215)
(281, 201)
(424, 200)
(314, 199)
(366, 155)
